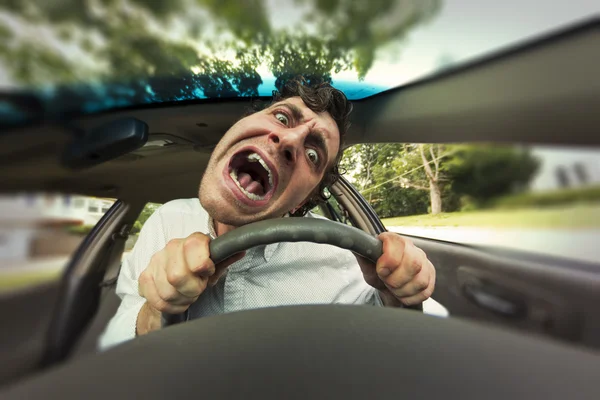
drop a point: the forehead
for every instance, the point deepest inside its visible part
(322, 122)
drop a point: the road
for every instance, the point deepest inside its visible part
(578, 244)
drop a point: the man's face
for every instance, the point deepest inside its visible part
(269, 163)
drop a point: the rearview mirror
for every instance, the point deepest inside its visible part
(106, 142)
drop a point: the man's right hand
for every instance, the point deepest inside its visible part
(175, 278)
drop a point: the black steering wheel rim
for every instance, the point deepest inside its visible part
(277, 230)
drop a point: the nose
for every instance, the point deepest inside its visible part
(290, 143)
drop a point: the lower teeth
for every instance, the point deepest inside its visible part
(251, 196)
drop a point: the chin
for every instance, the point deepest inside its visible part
(228, 212)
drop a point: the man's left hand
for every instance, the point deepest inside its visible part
(402, 273)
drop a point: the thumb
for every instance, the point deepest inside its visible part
(221, 267)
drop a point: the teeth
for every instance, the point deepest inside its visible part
(251, 196)
(253, 157)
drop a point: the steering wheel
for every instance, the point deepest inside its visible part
(288, 230)
(324, 351)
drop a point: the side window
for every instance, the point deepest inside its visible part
(334, 211)
(538, 199)
(39, 232)
(148, 210)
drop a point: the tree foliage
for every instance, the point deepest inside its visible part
(123, 40)
(485, 172)
(371, 167)
(148, 210)
(395, 179)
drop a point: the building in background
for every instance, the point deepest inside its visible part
(566, 168)
(36, 225)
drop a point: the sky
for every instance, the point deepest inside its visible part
(466, 29)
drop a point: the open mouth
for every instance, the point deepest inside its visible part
(252, 175)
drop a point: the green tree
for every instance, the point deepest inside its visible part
(371, 168)
(408, 179)
(484, 171)
(184, 47)
(148, 210)
(421, 168)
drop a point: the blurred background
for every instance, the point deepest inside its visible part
(64, 58)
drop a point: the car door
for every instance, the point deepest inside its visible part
(50, 295)
(535, 293)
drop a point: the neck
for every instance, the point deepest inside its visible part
(221, 229)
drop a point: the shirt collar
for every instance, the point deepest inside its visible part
(211, 228)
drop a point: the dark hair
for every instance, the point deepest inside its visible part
(320, 97)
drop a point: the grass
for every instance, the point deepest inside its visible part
(565, 217)
(19, 280)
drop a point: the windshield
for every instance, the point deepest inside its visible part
(67, 57)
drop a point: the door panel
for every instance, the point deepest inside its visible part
(26, 316)
(542, 295)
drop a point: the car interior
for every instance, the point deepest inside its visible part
(520, 323)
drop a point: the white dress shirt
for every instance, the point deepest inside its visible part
(274, 275)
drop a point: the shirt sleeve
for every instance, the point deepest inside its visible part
(122, 326)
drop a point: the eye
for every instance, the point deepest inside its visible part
(313, 156)
(281, 117)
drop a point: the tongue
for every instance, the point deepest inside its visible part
(250, 185)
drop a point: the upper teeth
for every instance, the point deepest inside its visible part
(253, 157)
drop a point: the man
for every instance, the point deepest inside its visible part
(270, 164)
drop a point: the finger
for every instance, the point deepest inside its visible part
(369, 272)
(409, 270)
(197, 255)
(170, 294)
(179, 276)
(418, 298)
(155, 301)
(393, 253)
(410, 267)
(417, 285)
(183, 281)
(168, 267)
(221, 267)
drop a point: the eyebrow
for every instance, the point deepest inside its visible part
(294, 109)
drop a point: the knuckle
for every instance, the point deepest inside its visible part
(416, 266)
(176, 277)
(421, 284)
(194, 241)
(173, 245)
(392, 284)
(161, 305)
(169, 294)
(205, 267)
(145, 277)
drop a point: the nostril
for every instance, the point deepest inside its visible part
(288, 155)
(275, 139)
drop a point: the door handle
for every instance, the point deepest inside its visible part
(491, 298)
